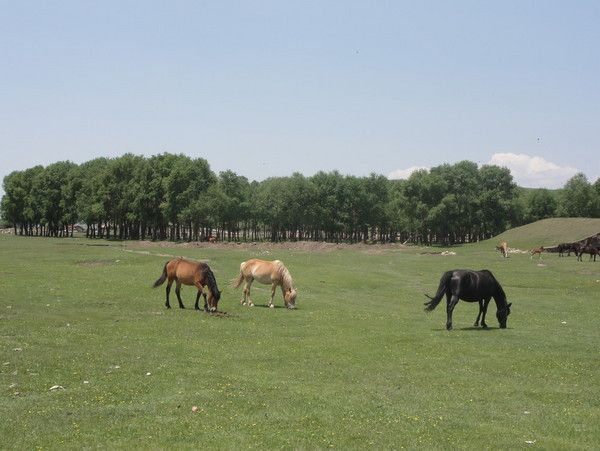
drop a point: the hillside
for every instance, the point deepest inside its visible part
(550, 232)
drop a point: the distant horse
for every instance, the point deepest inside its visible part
(471, 286)
(591, 249)
(568, 247)
(562, 248)
(190, 273)
(537, 250)
(503, 248)
(266, 272)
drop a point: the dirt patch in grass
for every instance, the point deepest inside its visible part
(307, 246)
(219, 314)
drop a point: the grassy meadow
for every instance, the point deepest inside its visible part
(359, 364)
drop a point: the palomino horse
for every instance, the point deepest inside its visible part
(537, 250)
(190, 273)
(471, 286)
(266, 272)
(503, 248)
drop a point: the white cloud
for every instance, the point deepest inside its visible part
(534, 172)
(405, 173)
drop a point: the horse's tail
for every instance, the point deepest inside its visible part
(162, 277)
(211, 282)
(444, 283)
(238, 281)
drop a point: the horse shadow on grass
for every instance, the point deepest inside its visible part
(471, 328)
(275, 306)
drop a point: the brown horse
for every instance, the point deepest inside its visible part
(537, 250)
(266, 272)
(503, 248)
(190, 273)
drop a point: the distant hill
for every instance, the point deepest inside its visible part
(550, 232)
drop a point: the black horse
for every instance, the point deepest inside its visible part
(568, 248)
(471, 286)
(591, 249)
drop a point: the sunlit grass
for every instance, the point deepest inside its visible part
(357, 365)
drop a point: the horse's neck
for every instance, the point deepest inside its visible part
(286, 280)
(500, 301)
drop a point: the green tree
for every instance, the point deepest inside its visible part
(541, 205)
(577, 200)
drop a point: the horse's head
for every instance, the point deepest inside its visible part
(213, 299)
(502, 315)
(290, 298)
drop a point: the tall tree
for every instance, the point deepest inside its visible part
(576, 200)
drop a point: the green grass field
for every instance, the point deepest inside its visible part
(359, 364)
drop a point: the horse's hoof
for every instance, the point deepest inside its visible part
(448, 327)
(484, 326)
(242, 303)
(251, 304)
(271, 306)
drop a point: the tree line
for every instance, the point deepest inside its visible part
(175, 197)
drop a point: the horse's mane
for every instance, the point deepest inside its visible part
(211, 282)
(498, 286)
(286, 277)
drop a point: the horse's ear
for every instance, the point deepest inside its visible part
(509, 304)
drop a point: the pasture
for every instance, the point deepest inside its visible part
(359, 364)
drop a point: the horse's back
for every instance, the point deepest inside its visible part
(262, 270)
(185, 271)
(471, 285)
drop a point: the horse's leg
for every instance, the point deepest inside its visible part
(178, 293)
(198, 293)
(479, 314)
(450, 304)
(244, 293)
(247, 293)
(485, 306)
(169, 283)
(273, 287)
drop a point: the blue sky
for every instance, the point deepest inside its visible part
(267, 88)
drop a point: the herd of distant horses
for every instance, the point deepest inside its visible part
(459, 284)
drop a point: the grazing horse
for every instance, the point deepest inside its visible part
(537, 250)
(568, 248)
(189, 272)
(266, 272)
(591, 249)
(471, 286)
(503, 248)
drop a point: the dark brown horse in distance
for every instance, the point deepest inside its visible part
(188, 272)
